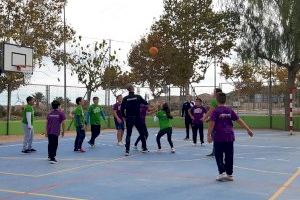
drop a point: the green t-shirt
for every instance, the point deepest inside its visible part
(78, 114)
(213, 103)
(164, 121)
(95, 111)
(27, 108)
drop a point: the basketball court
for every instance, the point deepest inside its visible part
(265, 166)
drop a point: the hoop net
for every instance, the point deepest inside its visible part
(26, 70)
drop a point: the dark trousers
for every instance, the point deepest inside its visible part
(52, 145)
(80, 135)
(195, 128)
(224, 149)
(167, 131)
(95, 129)
(187, 122)
(130, 123)
(145, 130)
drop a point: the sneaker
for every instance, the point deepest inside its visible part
(173, 150)
(53, 161)
(159, 150)
(119, 144)
(127, 153)
(92, 145)
(202, 143)
(145, 151)
(186, 139)
(76, 149)
(49, 158)
(82, 150)
(221, 177)
(194, 144)
(229, 178)
(135, 148)
(211, 155)
(26, 151)
(122, 143)
(32, 150)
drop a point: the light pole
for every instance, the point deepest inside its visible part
(65, 64)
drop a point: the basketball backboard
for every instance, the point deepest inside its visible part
(15, 58)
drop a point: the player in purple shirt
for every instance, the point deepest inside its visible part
(55, 120)
(144, 109)
(119, 122)
(221, 124)
(197, 113)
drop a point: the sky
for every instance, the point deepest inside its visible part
(123, 21)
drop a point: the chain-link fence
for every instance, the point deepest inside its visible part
(247, 100)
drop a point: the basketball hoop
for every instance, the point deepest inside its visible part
(25, 70)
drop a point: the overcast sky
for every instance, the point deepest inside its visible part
(124, 21)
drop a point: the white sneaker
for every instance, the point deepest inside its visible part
(159, 150)
(126, 153)
(135, 148)
(221, 177)
(119, 144)
(122, 143)
(229, 178)
(194, 144)
(173, 150)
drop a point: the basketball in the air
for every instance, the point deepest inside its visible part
(153, 51)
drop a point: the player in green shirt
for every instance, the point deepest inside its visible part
(212, 106)
(94, 115)
(27, 122)
(79, 125)
(164, 116)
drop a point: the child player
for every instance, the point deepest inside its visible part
(27, 122)
(95, 112)
(55, 120)
(164, 116)
(223, 137)
(197, 113)
(79, 125)
(119, 122)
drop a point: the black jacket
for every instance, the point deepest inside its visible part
(185, 108)
(130, 106)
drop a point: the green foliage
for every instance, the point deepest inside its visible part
(37, 24)
(90, 61)
(189, 35)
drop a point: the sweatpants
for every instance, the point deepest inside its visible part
(187, 122)
(80, 135)
(52, 145)
(195, 128)
(224, 149)
(28, 137)
(161, 133)
(145, 130)
(137, 122)
(95, 129)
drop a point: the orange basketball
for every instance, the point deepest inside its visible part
(153, 51)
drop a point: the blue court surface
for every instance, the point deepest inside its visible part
(266, 167)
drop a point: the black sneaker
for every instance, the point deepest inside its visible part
(26, 151)
(127, 153)
(32, 150)
(145, 151)
(53, 161)
(210, 155)
(76, 149)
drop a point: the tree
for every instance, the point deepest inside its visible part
(189, 34)
(34, 23)
(114, 79)
(61, 100)
(271, 32)
(89, 62)
(39, 98)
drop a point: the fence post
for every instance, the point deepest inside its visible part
(48, 97)
(291, 123)
(8, 107)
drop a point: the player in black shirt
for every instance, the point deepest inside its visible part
(130, 109)
(185, 113)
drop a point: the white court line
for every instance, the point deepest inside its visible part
(38, 194)
(39, 142)
(262, 146)
(261, 171)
